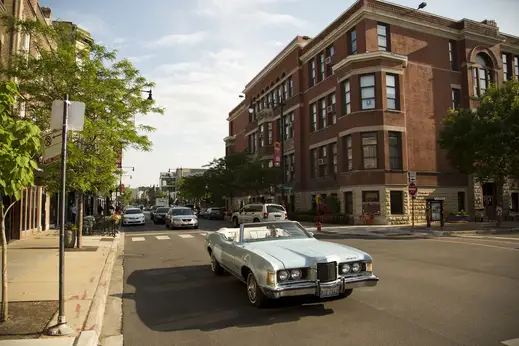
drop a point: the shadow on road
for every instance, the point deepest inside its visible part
(192, 297)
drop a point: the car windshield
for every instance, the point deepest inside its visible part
(273, 231)
(162, 210)
(275, 208)
(182, 212)
(133, 211)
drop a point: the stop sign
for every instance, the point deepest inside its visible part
(412, 189)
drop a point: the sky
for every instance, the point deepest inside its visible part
(202, 53)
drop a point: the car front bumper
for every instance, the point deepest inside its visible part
(184, 224)
(313, 288)
(133, 222)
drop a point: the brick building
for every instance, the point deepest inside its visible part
(363, 102)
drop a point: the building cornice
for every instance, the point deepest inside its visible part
(296, 43)
(372, 69)
(350, 59)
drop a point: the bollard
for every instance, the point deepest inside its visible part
(318, 225)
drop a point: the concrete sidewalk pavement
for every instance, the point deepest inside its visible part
(33, 276)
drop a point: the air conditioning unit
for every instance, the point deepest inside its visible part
(330, 109)
(328, 60)
(320, 162)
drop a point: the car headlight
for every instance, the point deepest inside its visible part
(282, 275)
(296, 274)
(355, 267)
(345, 268)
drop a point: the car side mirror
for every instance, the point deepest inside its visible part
(311, 234)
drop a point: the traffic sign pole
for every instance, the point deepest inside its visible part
(413, 189)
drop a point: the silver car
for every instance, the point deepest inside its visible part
(280, 259)
(181, 217)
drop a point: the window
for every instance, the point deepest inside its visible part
(392, 92)
(280, 94)
(515, 202)
(290, 87)
(311, 73)
(383, 37)
(516, 66)
(367, 91)
(348, 154)
(313, 163)
(289, 167)
(269, 100)
(461, 201)
(313, 117)
(253, 140)
(334, 157)
(289, 128)
(347, 97)
(348, 203)
(456, 98)
(482, 74)
(321, 66)
(369, 150)
(453, 55)
(27, 45)
(507, 74)
(262, 135)
(330, 52)
(285, 90)
(322, 113)
(396, 199)
(323, 164)
(270, 163)
(269, 131)
(395, 150)
(370, 203)
(352, 42)
(331, 103)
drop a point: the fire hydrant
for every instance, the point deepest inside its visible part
(319, 226)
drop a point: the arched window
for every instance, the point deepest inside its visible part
(482, 74)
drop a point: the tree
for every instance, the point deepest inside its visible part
(485, 142)
(110, 88)
(19, 146)
(126, 197)
(194, 188)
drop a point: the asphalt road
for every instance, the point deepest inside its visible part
(441, 291)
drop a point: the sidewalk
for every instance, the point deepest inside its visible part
(33, 288)
(419, 230)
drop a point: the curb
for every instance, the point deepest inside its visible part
(89, 336)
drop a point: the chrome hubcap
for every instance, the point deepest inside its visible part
(251, 288)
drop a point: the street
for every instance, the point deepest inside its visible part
(439, 291)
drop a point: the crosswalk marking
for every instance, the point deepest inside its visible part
(511, 342)
(138, 239)
(202, 234)
(162, 237)
(185, 236)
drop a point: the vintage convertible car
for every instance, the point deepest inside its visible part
(281, 259)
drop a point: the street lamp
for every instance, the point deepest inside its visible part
(119, 190)
(150, 97)
(251, 109)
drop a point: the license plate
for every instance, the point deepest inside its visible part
(327, 292)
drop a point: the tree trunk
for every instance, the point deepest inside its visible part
(80, 220)
(5, 308)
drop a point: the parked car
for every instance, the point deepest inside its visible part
(181, 217)
(215, 213)
(133, 216)
(159, 216)
(152, 212)
(280, 259)
(258, 213)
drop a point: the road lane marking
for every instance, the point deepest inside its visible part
(511, 342)
(162, 237)
(203, 234)
(515, 240)
(138, 239)
(475, 244)
(185, 236)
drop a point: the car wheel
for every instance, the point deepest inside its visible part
(216, 267)
(347, 293)
(167, 226)
(235, 222)
(256, 220)
(254, 293)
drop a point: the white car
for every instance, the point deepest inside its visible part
(259, 213)
(133, 216)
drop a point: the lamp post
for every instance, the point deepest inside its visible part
(169, 186)
(149, 92)
(281, 104)
(119, 190)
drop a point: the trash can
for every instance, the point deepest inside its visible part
(70, 236)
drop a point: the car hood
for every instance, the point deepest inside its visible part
(297, 253)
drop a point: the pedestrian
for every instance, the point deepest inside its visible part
(73, 211)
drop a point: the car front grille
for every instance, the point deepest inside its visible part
(186, 220)
(327, 271)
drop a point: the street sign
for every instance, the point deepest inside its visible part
(413, 189)
(288, 187)
(76, 115)
(411, 177)
(277, 154)
(51, 147)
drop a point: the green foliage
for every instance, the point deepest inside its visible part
(126, 197)
(110, 88)
(485, 142)
(193, 187)
(19, 145)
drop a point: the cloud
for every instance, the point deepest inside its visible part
(180, 39)
(266, 18)
(142, 58)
